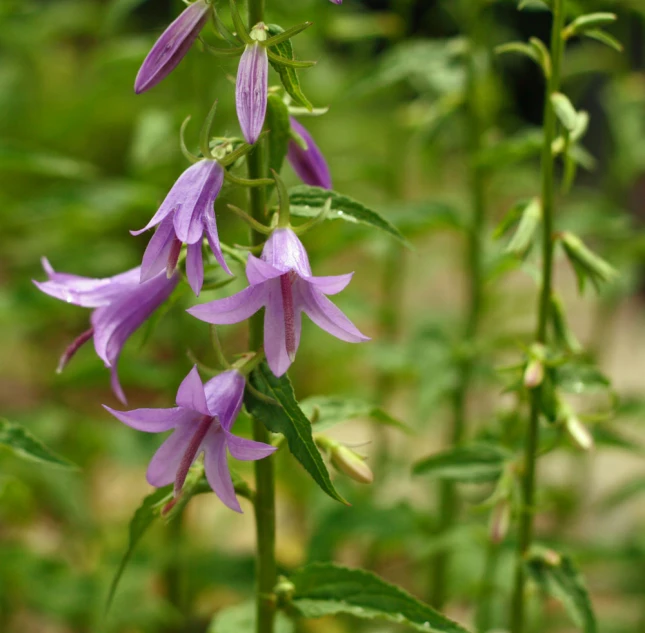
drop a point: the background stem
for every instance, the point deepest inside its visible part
(525, 528)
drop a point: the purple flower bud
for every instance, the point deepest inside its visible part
(251, 91)
(337, 1)
(309, 164)
(183, 218)
(121, 305)
(282, 282)
(171, 47)
(201, 422)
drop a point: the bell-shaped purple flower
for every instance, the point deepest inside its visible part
(201, 422)
(309, 164)
(251, 91)
(183, 218)
(121, 305)
(172, 46)
(282, 282)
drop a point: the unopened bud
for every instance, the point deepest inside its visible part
(351, 464)
(500, 521)
(551, 557)
(579, 433)
(534, 372)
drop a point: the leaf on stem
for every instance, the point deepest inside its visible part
(475, 463)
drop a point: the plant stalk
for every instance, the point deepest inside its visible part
(525, 528)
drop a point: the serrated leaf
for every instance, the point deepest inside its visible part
(328, 411)
(557, 575)
(307, 202)
(288, 76)
(474, 463)
(240, 618)
(23, 444)
(277, 122)
(323, 589)
(287, 418)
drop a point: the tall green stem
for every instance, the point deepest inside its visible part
(264, 468)
(448, 502)
(525, 530)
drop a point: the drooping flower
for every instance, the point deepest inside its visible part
(183, 218)
(121, 305)
(309, 164)
(201, 422)
(172, 46)
(282, 282)
(251, 87)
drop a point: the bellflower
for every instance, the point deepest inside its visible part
(309, 164)
(201, 422)
(183, 218)
(172, 46)
(282, 282)
(121, 305)
(251, 87)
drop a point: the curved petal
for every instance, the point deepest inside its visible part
(224, 394)
(163, 467)
(155, 258)
(251, 91)
(309, 164)
(284, 251)
(257, 270)
(195, 267)
(213, 239)
(247, 450)
(153, 420)
(190, 394)
(232, 309)
(115, 383)
(275, 346)
(217, 472)
(332, 284)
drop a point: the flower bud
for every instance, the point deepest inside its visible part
(500, 521)
(351, 464)
(579, 433)
(534, 372)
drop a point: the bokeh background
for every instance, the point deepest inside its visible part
(83, 160)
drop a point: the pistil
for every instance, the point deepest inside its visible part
(173, 257)
(73, 348)
(286, 282)
(191, 452)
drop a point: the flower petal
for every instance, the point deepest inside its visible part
(331, 285)
(284, 251)
(190, 394)
(213, 239)
(309, 164)
(155, 258)
(233, 309)
(153, 420)
(165, 462)
(224, 394)
(251, 90)
(257, 270)
(247, 450)
(217, 472)
(195, 267)
(275, 346)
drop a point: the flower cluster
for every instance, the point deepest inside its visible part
(280, 280)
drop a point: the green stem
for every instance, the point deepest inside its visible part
(264, 468)
(525, 529)
(487, 589)
(448, 501)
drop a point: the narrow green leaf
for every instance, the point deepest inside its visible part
(23, 444)
(565, 111)
(534, 5)
(277, 122)
(519, 47)
(589, 22)
(288, 76)
(557, 575)
(474, 463)
(240, 618)
(307, 202)
(323, 589)
(287, 418)
(604, 37)
(625, 492)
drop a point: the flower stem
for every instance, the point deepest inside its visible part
(448, 501)
(264, 468)
(525, 529)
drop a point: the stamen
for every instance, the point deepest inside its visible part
(286, 281)
(73, 348)
(191, 452)
(173, 257)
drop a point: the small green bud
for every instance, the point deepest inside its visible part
(351, 464)
(579, 433)
(500, 521)
(534, 372)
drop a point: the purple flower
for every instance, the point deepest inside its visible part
(251, 89)
(309, 164)
(202, 422)
(121, 303)
(183, 218)
(282, 282)
(171, 47)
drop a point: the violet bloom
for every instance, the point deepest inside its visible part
(309, 164)
(121, 303)
(172, 46)
(202, 422)
(282, 282)
(251, 90)
(183, 218)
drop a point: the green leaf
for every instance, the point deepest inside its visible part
(586, 264)
(240, 618)
(23, 444)
(534, 50)
(323, 589)
(514, 149)
(557, 575)
(288, 76)
(432, 215)
(277, 122)
(328, 411)
(474, 463)
(587, 22)
(604, 37)
(287, 418)
(307, 202)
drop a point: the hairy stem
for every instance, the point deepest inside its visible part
(525, 529)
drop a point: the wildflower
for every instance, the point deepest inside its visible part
(251, 87)
(183, 218)
(201, 422)
(121, 305)
(309, 163)
(171, 47)
(282, 282)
